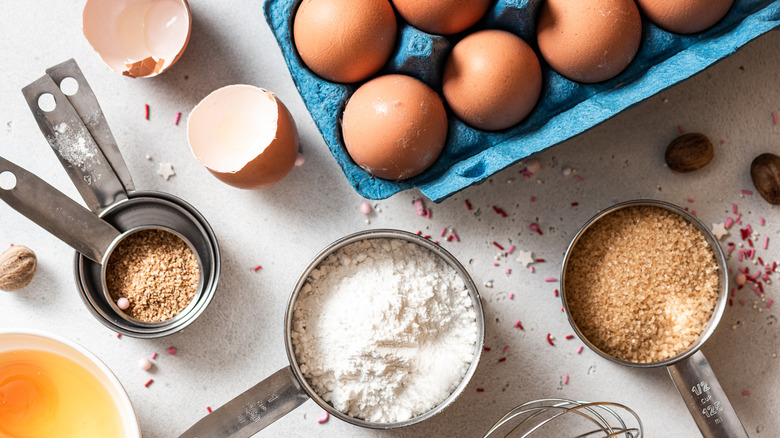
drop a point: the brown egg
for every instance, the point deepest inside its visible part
(492, 79)
(345, 40)
(589, 40)
(394, 127)
(244, 135)
(138, 38)
(443, 17)
(685, 16)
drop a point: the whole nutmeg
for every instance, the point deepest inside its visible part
(765, 172)
(17, 268)
(689, 152)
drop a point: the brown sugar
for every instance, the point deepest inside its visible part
(156, 271)
(641, 284)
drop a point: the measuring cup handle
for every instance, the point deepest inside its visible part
(56, 213)
(706, 401)
(253, 410)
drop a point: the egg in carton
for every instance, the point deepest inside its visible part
(565, 108)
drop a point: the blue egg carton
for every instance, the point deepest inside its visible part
(565, 108)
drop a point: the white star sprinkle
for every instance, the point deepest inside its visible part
(526, 258)
(166, 171)
(719, 230)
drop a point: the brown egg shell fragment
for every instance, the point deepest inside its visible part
(583, 42)
(394, 127)
(685, 16)
(100, 20)
(345, 40)
(442, 17)
(492, 80)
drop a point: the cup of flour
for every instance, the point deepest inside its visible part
(384, 329)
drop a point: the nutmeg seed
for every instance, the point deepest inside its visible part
(17, 268)
(689, 152)
(765, 172)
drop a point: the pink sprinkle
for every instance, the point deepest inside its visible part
(495, 263)
(745, 392)
(550, 279)
(511, 248)
(178, 117)
(419, 208)
(365, 208)
(680, 128)
(123, 303)
(531, 269)
(579, 350)
(324, 418)
(171, 350)
(508, 271)
(511, 296)
(148, 383)
(729, 223)
(146, 111)
(769, 303)
(690, 200)
(455, 236)
(741, 302)
(723, 142)
(533, 199)
(257, 268)
(208, 408)
(747, 192)
(766, 241)
(506, 348)
(566, 379)
(443, 232)
(578, 178)
(154, 355)
(519, 325)
(427, 213)
(535, 227)
(774, 117)
(734, 208)
(762, 222)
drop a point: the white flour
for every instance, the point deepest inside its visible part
(384, 330)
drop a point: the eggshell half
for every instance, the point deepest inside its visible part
(345, 40)
(394, 127)
(492, 79)
(589, 40)
(244, 135)
(138, 38)
(685, 16)
(443, 17)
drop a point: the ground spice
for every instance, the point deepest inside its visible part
(156, 271)
(642, 284)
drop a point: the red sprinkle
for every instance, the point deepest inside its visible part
(499, 211)
(486, 348)
(535, 227)
(506, 348)
(468, 204)
(578, 178)
(745, 392)
(171, 350)
(539, 260)
(480, 389)
(774, 117)
(549, 339)
(146, 111)
(208, 408)
(118, 335)
(519, 325)
(496, 244)
(680, 128)
(257, 268)
(574, 204)
(747, 192)
(148, 383)
(556, 292)
(569, 336)
(503, 359)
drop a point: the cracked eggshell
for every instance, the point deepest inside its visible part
(244, 135)
(685, 16)
(138, 38)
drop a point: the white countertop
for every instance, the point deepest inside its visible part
(239, 339)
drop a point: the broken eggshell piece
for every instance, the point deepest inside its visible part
(138, 38)
(244, 135)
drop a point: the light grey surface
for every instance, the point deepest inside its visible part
(239, 339)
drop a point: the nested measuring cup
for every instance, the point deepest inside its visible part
(287, 389)
(689, 370)
(70, 118)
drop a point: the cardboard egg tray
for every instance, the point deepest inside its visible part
(565, 108)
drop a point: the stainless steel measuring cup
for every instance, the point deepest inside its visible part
(287, 389)
(689, 370)
(73, 124)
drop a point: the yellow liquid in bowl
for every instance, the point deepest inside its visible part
(44, 394)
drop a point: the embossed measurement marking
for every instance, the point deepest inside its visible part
(711, 407)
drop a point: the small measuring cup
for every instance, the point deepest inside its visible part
(287, 389)
(70, 118)
(689, 370)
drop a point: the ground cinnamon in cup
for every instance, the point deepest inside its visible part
(156, 271)
(641, 284)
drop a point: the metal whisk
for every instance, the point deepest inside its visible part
(534, 415)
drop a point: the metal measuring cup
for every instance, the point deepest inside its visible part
(78, 133)
(689, 370)
(287, 389)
